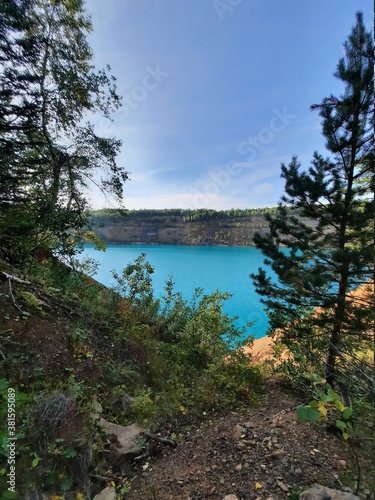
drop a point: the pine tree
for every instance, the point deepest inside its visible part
(324, 221)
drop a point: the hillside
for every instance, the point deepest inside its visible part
(181, 227)
(259, 453)
(88, 367)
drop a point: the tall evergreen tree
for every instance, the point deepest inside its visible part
(324, 220)
(49, 154)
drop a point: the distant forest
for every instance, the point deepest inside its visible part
(188, 215)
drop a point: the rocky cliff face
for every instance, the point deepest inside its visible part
(174, 230)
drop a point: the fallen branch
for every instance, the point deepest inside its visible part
(6, 331)
(11, 294)
(105, 478)
(14, 278)
(60, 303)
(143, 456)
(168, 442)
(159, 439)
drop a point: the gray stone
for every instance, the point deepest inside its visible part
(277, 453)
(319, 492)
(44, 306)
(282, 486)
(230, 497)
(237, 431)
(108, 493)
(96, 406)
(248, 425)
(125, 441)
(127, 402)
(340, 464)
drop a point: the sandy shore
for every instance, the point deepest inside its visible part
(262, 348)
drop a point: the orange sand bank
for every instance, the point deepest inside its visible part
(262, 349)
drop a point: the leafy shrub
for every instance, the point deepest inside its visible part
(191, 344)
(32, 301)
(143, 408)
(135, 283)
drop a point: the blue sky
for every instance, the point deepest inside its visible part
(217, 93)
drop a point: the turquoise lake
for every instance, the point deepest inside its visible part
(208, 267)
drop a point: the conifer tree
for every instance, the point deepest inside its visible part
(325, 220)
(49, 153)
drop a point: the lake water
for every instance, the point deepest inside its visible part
(208, 267)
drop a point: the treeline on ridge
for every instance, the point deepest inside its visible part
(188, 215)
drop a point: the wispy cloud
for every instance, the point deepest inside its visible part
(211, 112)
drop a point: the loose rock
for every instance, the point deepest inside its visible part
(124, 441)
(127, 402)
(108, 493)
(237, 431)
(282, 486)
(319, 492)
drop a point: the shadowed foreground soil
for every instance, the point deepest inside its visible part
(261, 453)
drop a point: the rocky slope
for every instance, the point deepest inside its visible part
(72, 370)
(181, 227)
(260, 453)
(164, 229)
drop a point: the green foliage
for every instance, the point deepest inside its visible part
(295, 493)
(187, 343)
(144, 407)
(32, 301)
(181, 359)
(326, 259)
(327, 406)
(189, 366)
(44, 461)
(227, 384)
(78, 335)
(124, 489)
(187, 215)
(49, 155)
(135, 284)
(122, 372)
(191, 345)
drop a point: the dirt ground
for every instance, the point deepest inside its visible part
(261, 453)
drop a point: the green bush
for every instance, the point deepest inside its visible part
(193, 361)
